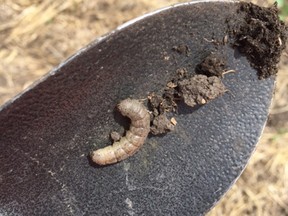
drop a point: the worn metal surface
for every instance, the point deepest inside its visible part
(48, 131)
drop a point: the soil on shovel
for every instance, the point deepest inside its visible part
(194, 90)
(212, 65)
(260, 36)
(257, 32)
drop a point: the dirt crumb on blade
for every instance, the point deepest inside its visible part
(160, 106)
(182, 49)
(260, 36)
(161, 125)
(200, 89)
(212, 65)
(165, 103)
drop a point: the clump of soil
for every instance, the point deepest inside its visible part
(212, 65)
(261, 36)
(164, 103)
(161, 105)
(192, 89)
(200, 89)
(182, 49)
(161, 124)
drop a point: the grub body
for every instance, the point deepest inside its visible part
(134, 138)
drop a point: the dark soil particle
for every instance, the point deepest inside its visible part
(181, 73)
(182, 49)
(160, 106)
(164, 103)
(260, 36)
(212, 65)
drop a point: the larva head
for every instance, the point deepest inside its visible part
(126, 106)
(133, 109)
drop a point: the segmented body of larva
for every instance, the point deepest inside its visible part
(134, 138)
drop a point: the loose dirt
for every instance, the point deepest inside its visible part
(260, 36)
(256, 32)
(197, 89)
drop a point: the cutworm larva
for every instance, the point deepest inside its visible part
(134, 138)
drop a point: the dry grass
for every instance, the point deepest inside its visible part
(37, 35)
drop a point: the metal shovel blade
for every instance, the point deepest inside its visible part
(47, 132)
